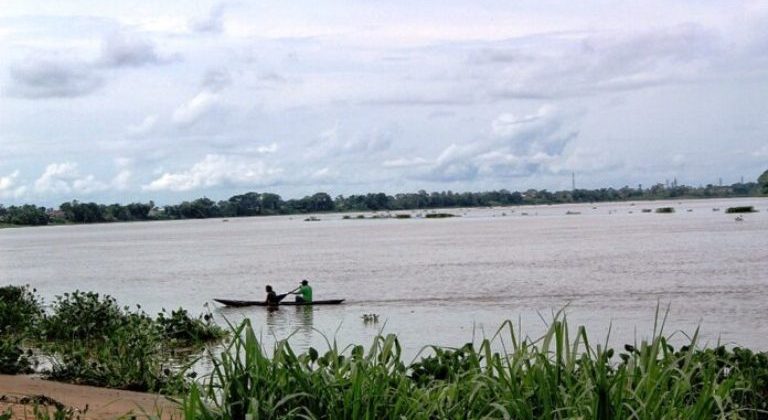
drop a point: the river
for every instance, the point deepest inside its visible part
(431, 281)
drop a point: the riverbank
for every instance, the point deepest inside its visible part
(21, 393)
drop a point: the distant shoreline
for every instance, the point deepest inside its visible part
(426, 210)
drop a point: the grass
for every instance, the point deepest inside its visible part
(559, 375)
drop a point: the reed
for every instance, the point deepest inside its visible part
(559, 375)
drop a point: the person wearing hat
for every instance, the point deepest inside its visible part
(304, 293)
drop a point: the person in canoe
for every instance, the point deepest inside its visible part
(304, 293)
(273, 299)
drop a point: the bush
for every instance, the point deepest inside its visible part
(181, 327)
(82, 315)
(13, 358)
(665, 210)
(20, 309)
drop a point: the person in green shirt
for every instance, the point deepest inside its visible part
(305, 292)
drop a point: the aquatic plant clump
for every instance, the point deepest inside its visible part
(741, 209)
(556, 376)
(181, 327)
(665, 210)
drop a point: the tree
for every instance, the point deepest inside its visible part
(763, 181)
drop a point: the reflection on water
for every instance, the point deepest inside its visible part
(431, 281)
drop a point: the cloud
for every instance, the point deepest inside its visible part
(334, 143)
(761, 152)
(217, 170)
(405, 162)
(63, 178)
(189, 113)
(213, 23)
(9, 187)
(574, 64)
(52, 77)
(145, 127)
(123, 49)
(519, 145)
(207, 101)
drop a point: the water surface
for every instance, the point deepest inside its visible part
(432, 281)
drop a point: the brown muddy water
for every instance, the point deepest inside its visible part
(431, 281)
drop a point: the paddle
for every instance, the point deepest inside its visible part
(283, 295)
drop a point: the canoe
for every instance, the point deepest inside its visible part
(231, 302)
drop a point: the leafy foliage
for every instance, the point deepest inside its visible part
(20, 309)
(554, 377)
(181, 327)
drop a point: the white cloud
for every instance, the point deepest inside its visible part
(122, 181)
(145, 127)
(271, 148)
(217, 170)
(405, 162)
(198, 107)
(64, 178)
(9, 187)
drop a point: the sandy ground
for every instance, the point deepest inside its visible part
(21, 393)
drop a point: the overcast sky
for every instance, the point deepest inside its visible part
(118, 101)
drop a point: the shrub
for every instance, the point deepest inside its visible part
(181, 327)
(13, 358)
(82, 315)
(20, 309)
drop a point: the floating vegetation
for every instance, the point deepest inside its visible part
(572, 213)
(370, 318)
(439, 215)
(739, 218)
(647, 210)
(346, 217)
(689, 210)
(665, 210)
(311, 219)
(741, 209)
(715, 209)
(402, 216)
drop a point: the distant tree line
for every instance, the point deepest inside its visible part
(267, 204)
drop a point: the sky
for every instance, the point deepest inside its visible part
(121, 101)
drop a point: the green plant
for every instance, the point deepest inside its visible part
(181, 327)
(82, 315)
(20, 309)
(665, 210)
(741, 209)
(560, 375)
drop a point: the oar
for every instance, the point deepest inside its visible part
(283, 295)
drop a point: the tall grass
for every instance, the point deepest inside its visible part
(560, 375)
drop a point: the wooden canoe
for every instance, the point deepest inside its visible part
(232, 302)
